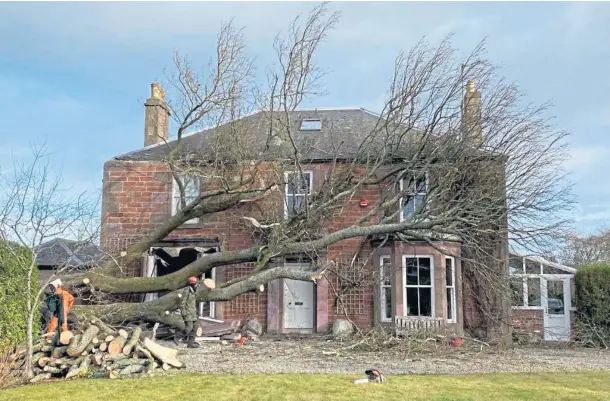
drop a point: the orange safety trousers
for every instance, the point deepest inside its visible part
(68, 301)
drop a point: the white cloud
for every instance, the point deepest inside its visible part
(584, 159)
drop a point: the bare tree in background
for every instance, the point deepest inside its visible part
(581, 250)
(36, 207)
(493, 170)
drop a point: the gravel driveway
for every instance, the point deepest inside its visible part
(323, 356)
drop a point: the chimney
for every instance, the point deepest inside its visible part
(156, 123)
(471, 114)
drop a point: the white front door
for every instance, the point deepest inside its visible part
(298, 304)
(556, 303)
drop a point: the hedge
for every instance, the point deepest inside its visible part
(14, 263)
(592, 284)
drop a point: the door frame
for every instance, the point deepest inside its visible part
(566, 279)
(307, 266)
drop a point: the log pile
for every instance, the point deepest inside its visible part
(99, 351)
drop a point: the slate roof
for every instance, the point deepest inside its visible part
(343, 130)
(62, 252)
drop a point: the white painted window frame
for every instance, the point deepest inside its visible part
(406, 287)
(176, 196)
(415, 193)
(542, 279)
(453, 290)
(382, 287)
(286, 175)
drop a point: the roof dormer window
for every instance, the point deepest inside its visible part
(311, 125)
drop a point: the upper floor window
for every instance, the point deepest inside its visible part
(415, 191)
(191, 192)
(311, 125)
(298, 188)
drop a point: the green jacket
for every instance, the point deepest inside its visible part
(188, 305)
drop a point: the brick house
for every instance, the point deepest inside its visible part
(418, 281)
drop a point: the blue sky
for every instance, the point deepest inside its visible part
(76, 74)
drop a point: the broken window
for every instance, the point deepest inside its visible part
(415, 190)
(386, 289)
(191, 192)
(298, 188)
(419, 288)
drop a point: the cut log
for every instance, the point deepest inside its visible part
(37, 356)
(95, 341)
(132, 369)
(74, 341)
(52, 369)
(65, 337)
(123, 333)
(85, 339)
(96, 359)
(165, 367)
(42, 362)
(131, 361)
(116, 346)
(103, 346)
(82, 368)
(144, 353)
(113, 374)
(102, 326)
(47, 348)
(108, 338)
(164, 354)
(209, 283)
(40, 377)
(113, 358)
(135, 336)
(59, 351)
(151, 367)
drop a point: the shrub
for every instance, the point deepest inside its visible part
(592, 284)
(14, 264)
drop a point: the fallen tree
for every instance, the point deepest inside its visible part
(491, 170)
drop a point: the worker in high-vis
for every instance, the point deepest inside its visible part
(59, 302)
(188, 310)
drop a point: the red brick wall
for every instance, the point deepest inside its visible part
(528, 321)
(137, 198)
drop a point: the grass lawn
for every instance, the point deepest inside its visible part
(590, 386)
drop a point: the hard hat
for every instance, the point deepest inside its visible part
(192, 280)
(56, 283)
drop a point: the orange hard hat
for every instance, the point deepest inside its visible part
(192, 280)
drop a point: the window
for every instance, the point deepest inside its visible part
(415, 195)
(525, 285)
(418, 278)
(515, 265)
(450, 288)
(298, 188)
(311, 125)
(191, 192)
(533, 291)
(386, 288)
(516, 291)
